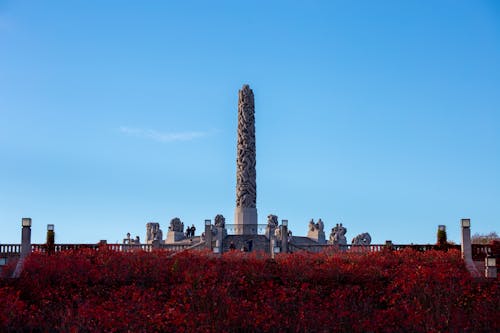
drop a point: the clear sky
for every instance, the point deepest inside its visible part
(382, 115)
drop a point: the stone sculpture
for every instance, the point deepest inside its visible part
(337, 236)
(246, 185)
(272, 224)
(175, 231)
(316, 226)
(220, 221)
(176, 225)
(362, 239)
(316, 231)
(153, 232)
(272, 221)
(277, 233)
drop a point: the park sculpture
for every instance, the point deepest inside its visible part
(245, 216)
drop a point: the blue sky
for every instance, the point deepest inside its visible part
(382, 115)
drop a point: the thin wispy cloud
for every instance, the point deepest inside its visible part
(162, 136)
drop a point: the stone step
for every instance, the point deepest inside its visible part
(259, 242)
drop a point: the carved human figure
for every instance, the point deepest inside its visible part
(272, 224)
(246, 192)
(362, 239)
(176, 225)
(277, 233)
(153, 232)
(337, 236)
(312, 225)
(320, 225)
(272, 221)
(220, 221)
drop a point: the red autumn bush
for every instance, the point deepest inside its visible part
(106, 291)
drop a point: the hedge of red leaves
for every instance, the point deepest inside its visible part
(105, 291)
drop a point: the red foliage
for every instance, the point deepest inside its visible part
(106, 291)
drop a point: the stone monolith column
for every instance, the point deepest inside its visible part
(245, 216)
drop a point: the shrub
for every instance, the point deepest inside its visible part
(106, 291)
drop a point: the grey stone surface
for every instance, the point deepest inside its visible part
(337, 236)
(246, 185)
(258, 242)
(362, 239)
(153, 232)
(316, 231)
(247, 218)
(272, 224)
(176, 225)
(220, 221)
(174, 236)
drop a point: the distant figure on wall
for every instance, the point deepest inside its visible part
(127, 240)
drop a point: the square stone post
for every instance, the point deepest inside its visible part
(25, 237)
(284, 236)
(208, 234)
(466, 240)
(220, 238)
(490, 267)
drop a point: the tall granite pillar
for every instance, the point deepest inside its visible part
(245, 216)
(25, 237)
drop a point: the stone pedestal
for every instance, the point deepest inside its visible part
(25, 241)
(208, 234)
(317, 236)
(245, 220)
(466, 240)
(284, 238)
(174, 236)
(490, 267)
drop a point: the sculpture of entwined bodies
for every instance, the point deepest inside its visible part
(246, 187)
(220, 221)
(176, 225)
(337, 236)
(362, 239)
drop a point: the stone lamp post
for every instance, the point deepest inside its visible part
(466, 240)
(284, 236)
(25, 236)
(50, 239)
(208, 234)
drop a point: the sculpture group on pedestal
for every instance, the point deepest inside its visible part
(220, 221)
(319, 226)
(337, 236)
(175, 231)
(316, 231)
(176, 225)
(272, 224)
(362, 239)
(153, 232)
(131, 241)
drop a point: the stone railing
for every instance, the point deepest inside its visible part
(62, 247)
(10, 248)
(480, 251)
(361, 248)
(15, 249)
(129, 247)
(237, 229)
(178, 247)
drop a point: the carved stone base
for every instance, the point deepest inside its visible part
(174, 236)
(245, 220)
(318, 236)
